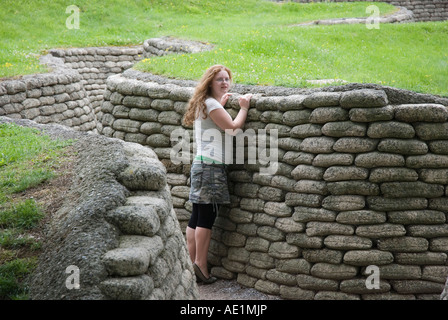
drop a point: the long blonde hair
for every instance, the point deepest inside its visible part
(202, 91)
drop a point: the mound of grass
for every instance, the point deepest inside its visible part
(28, 158)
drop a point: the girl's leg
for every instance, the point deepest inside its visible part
(202, 237)
(190, 233)
(191, 242)
(206, 215)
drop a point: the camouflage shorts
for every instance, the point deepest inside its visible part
(209, 183)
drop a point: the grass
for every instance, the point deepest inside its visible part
(27, 160)
(410, 56)
(12, 274)
(254, 38)
(345, 52)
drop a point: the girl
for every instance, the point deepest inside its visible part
(208, 172)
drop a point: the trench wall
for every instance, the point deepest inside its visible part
(71, 93)
(55, 97)
(96, 64)
(361, 181)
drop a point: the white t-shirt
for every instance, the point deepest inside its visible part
(210, 139)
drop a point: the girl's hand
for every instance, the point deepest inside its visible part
(244, 101)
(224, 98)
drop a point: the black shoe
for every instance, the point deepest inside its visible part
(201, 276)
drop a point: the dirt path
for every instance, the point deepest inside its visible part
(231, 290)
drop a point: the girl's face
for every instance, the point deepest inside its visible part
(220, 84)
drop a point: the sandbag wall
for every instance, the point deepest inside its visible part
(71, 94)
(96, 64)
(361, 184)
(55, 97)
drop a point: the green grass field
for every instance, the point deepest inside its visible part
(255, 38)
(27, 159)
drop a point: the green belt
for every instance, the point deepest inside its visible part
(206, 159)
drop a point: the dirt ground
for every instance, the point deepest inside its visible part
(231, 290)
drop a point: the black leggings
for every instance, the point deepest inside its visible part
(203, 215)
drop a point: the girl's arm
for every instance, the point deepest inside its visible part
(223, 120)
